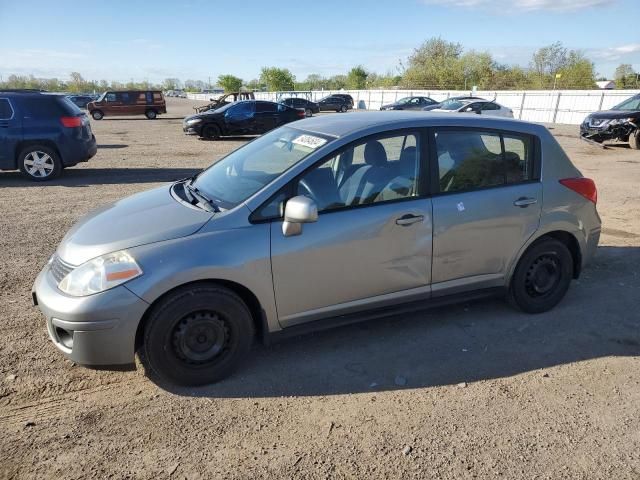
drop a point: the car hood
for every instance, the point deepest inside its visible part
(146, 217)
(612, 114)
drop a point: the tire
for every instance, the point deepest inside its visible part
(542, 276)
(151, 114)
(634, 139)
(197, 335)
(308, 112)
(97, 114)
(39, 163)
(343, 108)
(211, 132)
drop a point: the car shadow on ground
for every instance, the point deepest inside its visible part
(230, 138)
(83, 177)
(447, 346)
(112, 146)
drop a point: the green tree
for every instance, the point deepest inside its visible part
(230, 83)
(577, 72)
(434, 65)
(171, 84)
(625, 76)
(277, 79)
(546, 62)
(357, 78)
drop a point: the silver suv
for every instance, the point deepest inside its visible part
(325, 221)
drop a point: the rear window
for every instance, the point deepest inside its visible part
(48, 106)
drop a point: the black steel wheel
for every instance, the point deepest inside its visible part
(542, 276)
(196, 335)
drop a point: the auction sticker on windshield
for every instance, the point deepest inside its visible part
(309, 141)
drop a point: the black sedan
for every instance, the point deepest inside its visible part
(335, 103)
(409, 103)
(308, 106)
(622, 123)
(249, 117)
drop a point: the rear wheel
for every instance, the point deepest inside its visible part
(308, 112)
(197, 335)
(39, 163)
(542, 276)
(97, 114)
(343, 108)
(151, 114)
(634, 139)
(211, 132)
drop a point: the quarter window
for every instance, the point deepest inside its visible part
(6, 112)
(469, 160)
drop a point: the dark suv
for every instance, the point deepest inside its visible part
(41, 134)
(336, 102)
(622, 123)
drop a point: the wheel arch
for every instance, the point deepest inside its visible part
(247, 296)
(22, 144)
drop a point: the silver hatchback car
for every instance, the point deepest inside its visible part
(326, 221)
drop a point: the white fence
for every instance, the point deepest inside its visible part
(557, 106)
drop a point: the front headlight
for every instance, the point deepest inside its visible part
(100, 274)
(619, 121)
(193, 121)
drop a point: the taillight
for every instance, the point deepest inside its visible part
(583, 186)
(71, 122)
(301, 113)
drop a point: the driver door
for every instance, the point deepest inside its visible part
(240, 119)
(362, 252)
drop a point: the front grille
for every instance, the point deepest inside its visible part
(59, 269)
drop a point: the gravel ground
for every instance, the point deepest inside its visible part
(469, 391)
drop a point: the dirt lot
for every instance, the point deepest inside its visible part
(475, 391)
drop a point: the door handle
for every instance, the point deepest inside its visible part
(409, 219)
(524, 202)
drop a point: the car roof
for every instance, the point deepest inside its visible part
(373, 121)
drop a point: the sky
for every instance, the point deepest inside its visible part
(200, 39)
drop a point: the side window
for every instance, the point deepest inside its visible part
(241, 111)
(386, 169)
(157, 96)
(266, 107)
(518, 158)
(123, 97)
(469, 160)
(490, 106)
(111, 97)
(147, 97)
(6, 112)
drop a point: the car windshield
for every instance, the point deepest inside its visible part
(451, 105)
(246, 170)
(632, 103)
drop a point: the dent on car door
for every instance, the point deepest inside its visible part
(487, 205)
(371, 244)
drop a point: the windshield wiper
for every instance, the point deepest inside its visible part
(203, 200)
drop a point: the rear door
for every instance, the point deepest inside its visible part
(10, 133)
(240, 119)
(266, 116)
(486, 204)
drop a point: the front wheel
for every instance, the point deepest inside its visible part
(151, 114)
(634, 139)
(542, 276)
(211, 132)
(39, 163)
(197, 335)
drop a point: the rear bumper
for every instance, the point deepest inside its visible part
(98, 329)
(75, 151)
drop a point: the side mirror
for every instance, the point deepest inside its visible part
(297, 211)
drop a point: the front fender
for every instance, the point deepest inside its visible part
(240, 255)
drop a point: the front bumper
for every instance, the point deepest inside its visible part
(97, 329)
(192, 129)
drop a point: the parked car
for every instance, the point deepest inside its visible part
(308, 106)
(315, 224)
(248, 117)
(81, 101)
(41, 134)
(428, 108)
(150, 103)
(337, 103)
(622, 123)
(481, 107)
(225, 100)
(409, 103)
